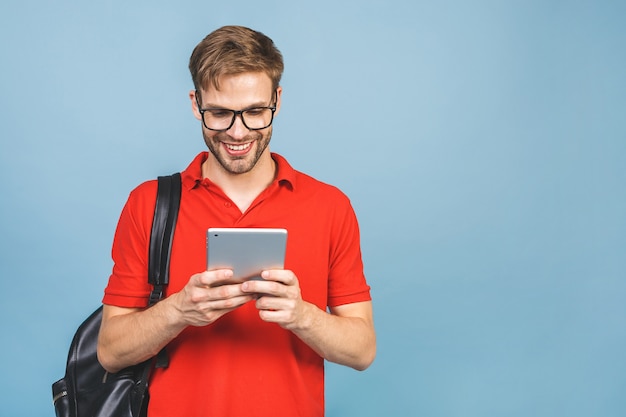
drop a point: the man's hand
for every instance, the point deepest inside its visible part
(208, 296)
(279, 300)
(345, 336)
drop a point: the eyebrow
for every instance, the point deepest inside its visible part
(251, 106)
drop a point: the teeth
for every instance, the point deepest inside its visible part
(238, 147)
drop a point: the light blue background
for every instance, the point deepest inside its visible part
(482, 143)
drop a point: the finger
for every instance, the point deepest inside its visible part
(272, 316)
(214, 277)
(276, 289)
(211, 311)
(226, 292)
(285, 276)
(274, 303)
(200, 294)
(226, 304)
(282, 317)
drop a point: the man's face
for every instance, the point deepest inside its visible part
(238, 149)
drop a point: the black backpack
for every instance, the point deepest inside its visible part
(87, 390)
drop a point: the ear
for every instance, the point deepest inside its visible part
(279, 92)
(194, 105)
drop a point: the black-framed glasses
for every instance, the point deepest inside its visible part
(220, 120)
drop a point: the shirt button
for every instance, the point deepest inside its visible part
(228, 204)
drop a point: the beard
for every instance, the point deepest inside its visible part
(237, 164)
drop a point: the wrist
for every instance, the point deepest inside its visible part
(171, 313)
(308, 318)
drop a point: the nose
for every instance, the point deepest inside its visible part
(238, 130)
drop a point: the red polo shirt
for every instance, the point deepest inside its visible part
(240, 365)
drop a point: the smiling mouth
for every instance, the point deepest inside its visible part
(238, 148)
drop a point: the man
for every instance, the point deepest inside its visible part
(255, 348)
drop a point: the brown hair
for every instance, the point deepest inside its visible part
(232, 50)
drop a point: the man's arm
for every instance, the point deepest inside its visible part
(129, 335)
(345, 336)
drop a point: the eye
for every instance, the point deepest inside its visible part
(257, 111)
(219, 113)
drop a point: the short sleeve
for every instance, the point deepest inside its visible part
(128, 284)
(347, 283)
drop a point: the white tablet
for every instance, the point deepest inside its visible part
(247, 251)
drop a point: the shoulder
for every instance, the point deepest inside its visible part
(144, 193)
(309, 184)
(323, 200)
(139, 207)
(305, 185)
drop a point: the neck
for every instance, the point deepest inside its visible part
(242, 189)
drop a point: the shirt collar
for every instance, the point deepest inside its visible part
(192, 175)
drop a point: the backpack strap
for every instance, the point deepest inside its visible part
(163, 224)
